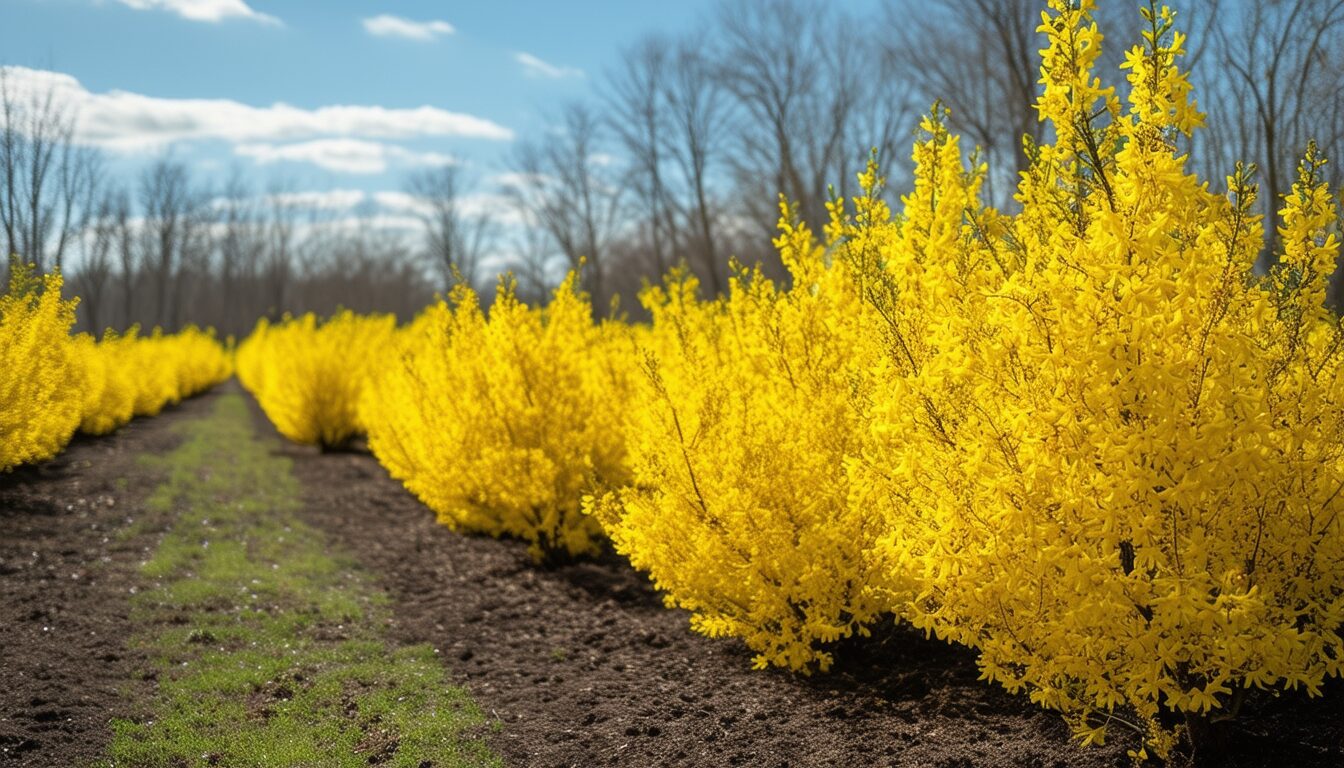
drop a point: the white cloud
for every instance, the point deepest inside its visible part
(209, 11)
(124, 121)
(406, 29)
(341, 155)
(514, 180)
(535, 67)
(402, 202)
(498, 207)
(322, 200)
(348, 224)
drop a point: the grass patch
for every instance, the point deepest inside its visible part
(267, 645)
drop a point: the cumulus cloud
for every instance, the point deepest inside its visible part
(498, 207)
(341, 155)
(209, 11)
(402, 202)
(517, 180)
(125, 121)
(406, 226)
(321, 200)
(387, 25)
(535, 67)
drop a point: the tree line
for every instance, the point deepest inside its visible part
(679, 157)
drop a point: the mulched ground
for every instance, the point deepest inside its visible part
(581, 665)
(66, 577)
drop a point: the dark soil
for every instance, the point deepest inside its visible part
(583, 665)
(67, 570)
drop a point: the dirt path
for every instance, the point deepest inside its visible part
(67, 569)
(585, 667)
(580, 666)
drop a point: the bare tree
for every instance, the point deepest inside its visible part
(532, 262)
(639, 116)
(1278, 83)
(192, 281)
(166, 203)
(279, 252)
(457, 235)
(99, 240)
(49, 182)
(698, 114)
(239, 243)
(358, 265)
(802, 89)
(979, 58)
(564, 185)
(124, 241)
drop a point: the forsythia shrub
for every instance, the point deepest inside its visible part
(308, 377)
(738, 435)
(52, 383)
(200, 359)
(502, 423)
(167, 368)
(41, 378)
(1108, 451)
(156, 384)
(127, 376)
(110, 383)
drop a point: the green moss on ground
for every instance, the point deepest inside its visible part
(268, 646)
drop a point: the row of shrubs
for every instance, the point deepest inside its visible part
(53, 383)
(1087, 440)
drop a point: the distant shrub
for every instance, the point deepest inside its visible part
(308, 375)
(41, 376)
(502, 423)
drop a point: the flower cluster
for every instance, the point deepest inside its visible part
(53, 383)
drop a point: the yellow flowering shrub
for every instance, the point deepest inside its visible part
(201, 361)
(52, 383)
(738, 433)
(1108, 452)
(501, 423)
(168, 368)
(110, 383)
(308, 376)
(127, 375)
(41, 379)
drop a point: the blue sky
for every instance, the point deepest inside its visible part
(429, 80)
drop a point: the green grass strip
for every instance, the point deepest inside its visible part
(267, 645)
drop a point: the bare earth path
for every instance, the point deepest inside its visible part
(68, 564)
(584, 667)
(580, 665)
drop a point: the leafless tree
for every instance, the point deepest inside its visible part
(1278, 83)
(360, 266)
(698, 116)
(532, 262)
(49, 182)
(639, 116)
(279, 251)
(193, 283)
(565, 185)
(770, 60)
(458, 235)
(979, 58)
(240, 243)
(93, 280)
(126, 245)
(166, 202)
